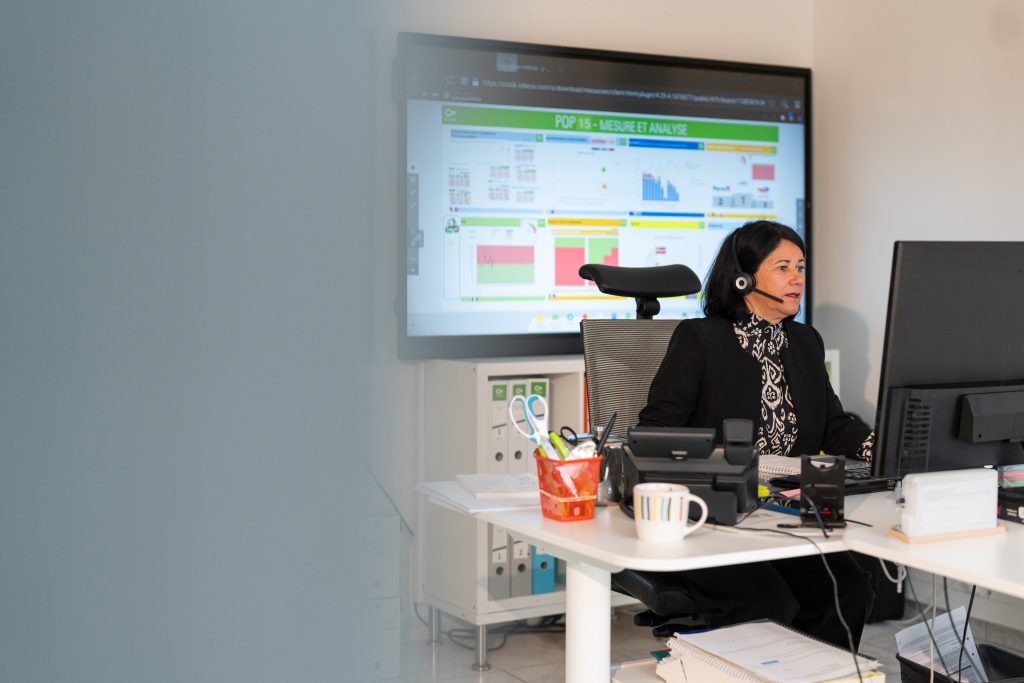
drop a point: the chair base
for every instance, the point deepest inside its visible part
(666, 627)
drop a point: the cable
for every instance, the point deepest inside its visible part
(926, 624)
(933, 645)
(952, 624)
(760, 504)
(821, 523)
(771, 499)
(901, 575)
(835, 589)
(967, 620)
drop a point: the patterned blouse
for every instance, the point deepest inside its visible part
(777, 432)
(778, 429)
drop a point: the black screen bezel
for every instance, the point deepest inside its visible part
(504, 345)
(947, 333)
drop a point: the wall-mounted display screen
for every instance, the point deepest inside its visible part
(520, 163)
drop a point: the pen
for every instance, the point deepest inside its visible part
(604, 434)
(559, 445)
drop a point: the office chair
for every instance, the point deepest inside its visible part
(620, 360)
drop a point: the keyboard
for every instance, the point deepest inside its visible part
(858, 480)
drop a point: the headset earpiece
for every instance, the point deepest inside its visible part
(743, 282)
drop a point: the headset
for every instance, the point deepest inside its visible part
(744, 282)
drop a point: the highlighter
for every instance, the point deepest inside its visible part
(559, 445)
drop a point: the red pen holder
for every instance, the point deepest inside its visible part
(568, 488)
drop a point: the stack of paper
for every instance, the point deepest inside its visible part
(452, 495)
(915, 644)
(765, 651)
(500, 485)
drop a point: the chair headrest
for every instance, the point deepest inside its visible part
(648, 283)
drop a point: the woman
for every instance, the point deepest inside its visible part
(749, 359)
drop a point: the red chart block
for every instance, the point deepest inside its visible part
(763, 171)
(495, 254)
(567, 266)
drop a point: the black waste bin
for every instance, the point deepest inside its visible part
(1001, 665)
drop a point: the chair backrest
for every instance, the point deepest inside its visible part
(620, 358)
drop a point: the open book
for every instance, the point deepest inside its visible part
(766, 651)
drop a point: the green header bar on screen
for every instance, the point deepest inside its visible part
(601, 123)
(494, 222)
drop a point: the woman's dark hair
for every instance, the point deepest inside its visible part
(750, 245)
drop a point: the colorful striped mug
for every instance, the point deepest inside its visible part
(661, 512)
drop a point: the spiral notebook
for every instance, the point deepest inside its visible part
(771, 466)
(766, 651)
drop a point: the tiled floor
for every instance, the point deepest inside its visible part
(540, 658)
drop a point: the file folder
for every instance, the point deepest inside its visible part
(522, 569)
(498, 437)
(542, 387)
(543, 565)
(498, 583)
(520, 448)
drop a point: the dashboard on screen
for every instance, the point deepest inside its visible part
(520, 163)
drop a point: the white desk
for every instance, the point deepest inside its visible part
(594, 549)
(993, 562)
(608, 543)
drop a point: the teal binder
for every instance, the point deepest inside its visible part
(543, 579)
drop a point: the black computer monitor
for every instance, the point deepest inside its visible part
(951, 391)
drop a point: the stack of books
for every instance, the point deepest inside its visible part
(1010, 505)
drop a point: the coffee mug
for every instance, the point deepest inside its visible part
(661, 512)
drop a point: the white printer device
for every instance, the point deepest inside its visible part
(949, 502)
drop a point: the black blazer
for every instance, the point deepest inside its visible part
(706, 377)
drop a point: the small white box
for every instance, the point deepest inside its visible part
(949, 502)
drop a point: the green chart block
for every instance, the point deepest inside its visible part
(600, 247)
(504, 274)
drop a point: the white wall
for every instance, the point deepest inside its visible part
(776, 32)
(918, 135)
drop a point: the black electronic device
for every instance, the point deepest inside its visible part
(951, 391)
(859, 479)
(724, 476)
(518, 163)
(822, 490)
(745, 282)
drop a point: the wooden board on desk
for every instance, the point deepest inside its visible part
(896, 532)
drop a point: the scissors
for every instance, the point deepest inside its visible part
(533, 413)
(569, 435)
